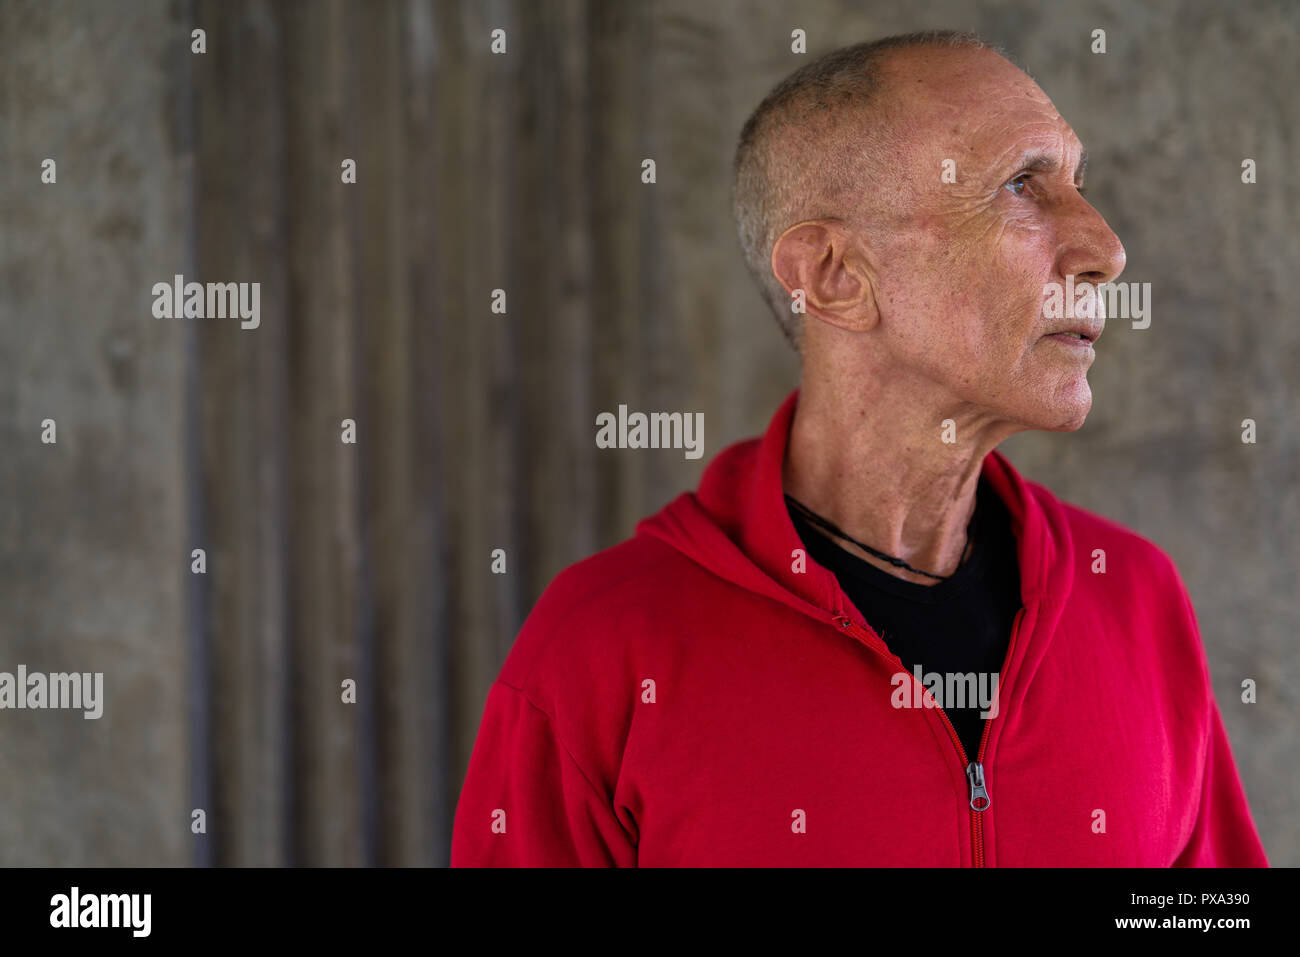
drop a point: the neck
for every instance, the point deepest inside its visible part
(871, 460)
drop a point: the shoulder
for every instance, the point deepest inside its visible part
(1124, 569)
(588, 621)
(585, 648)
(1136, 578)
(1090, 531)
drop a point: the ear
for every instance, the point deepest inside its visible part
(824, 259)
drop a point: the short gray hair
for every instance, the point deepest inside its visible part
(774, 186)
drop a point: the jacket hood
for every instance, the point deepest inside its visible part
(736, 525)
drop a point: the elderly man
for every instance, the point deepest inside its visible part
(866, 639)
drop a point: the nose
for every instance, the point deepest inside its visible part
(1093, 253)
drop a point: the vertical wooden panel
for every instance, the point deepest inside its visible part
(198, 591)
(429, 659)
(455, 236)
(505, 119)
(326, 542)
(227, 450)
(662, 360)
(359, 495)
(554, 162)
(262, 94)
(401, 548)
(244, 380)
(690, 62)
(482, 91)
(615, 36)
(385, 321)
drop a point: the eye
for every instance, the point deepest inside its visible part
(1017, 185)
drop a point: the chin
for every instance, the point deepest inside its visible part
(1071, 425)
(1070, 410)
(1072, 419)
(1055, 415)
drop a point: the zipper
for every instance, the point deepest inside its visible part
(976, 779)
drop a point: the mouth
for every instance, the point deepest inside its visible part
(1078, 338)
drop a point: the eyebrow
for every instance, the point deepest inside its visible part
(1036, 162)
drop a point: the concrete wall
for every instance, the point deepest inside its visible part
(93, 549)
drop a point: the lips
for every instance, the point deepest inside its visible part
(1075, 342)
(1082, 333)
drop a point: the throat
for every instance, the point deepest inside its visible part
(892, 564)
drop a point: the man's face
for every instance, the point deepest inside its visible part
(961, 266)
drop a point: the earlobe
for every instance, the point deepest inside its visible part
(820, 258)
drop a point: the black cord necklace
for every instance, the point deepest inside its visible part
(826, 524)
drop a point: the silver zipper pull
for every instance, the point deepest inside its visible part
(979, 794)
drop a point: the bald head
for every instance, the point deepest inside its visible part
(825, 136)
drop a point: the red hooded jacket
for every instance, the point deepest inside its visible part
(697, 695)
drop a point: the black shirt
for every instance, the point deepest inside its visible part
(961, 625)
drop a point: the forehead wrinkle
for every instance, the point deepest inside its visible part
(1024, 130)
(1040, 157)
(1037, 160)
(973, 118)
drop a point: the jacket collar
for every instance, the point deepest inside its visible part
(742, 489)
